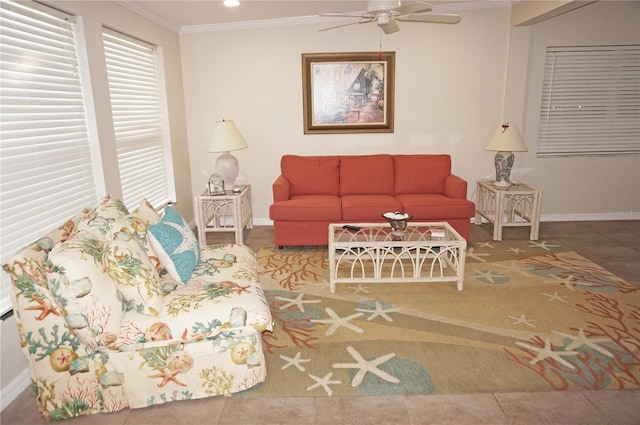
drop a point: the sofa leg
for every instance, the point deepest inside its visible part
(280, 246)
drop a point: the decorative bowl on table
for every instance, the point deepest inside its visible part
(398, 222)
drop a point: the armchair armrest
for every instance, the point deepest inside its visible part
(455, 187)
(281, 189)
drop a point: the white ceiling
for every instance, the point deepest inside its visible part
(179, 15)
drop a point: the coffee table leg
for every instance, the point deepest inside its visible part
(461, 263)
(332, 269)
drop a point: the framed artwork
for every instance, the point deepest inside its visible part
(348, 92)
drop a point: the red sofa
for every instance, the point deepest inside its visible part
(313, 191)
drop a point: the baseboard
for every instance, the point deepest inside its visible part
(607, 216)
(13, 390)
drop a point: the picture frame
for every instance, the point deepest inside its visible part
(349, 92)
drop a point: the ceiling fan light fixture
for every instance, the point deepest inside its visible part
(231, 3)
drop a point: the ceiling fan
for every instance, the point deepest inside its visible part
(387, 13)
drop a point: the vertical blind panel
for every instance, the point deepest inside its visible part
(143, 156)
(46, 174)
(590, 101)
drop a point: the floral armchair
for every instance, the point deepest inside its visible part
(120, 310)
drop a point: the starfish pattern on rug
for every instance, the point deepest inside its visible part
(323, 382)
(336, 322)
(297, 301)
(556, 297)
(472, 254)
(543, 245)
(581, 339)
(324, 284)
(488, 276)
(515, 250)
(360, 289)
(568, 281)
(547, 353)
(379, 311)
(522, 320)
(365, 367)
(294, 361)
(513, 267)
(487, 245)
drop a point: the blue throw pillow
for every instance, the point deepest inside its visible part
(175, 245)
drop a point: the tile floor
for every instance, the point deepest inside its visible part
(615, 245)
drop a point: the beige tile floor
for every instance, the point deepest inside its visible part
(614, 245)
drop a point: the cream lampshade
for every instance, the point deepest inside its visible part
(505, 141)
(226, 138)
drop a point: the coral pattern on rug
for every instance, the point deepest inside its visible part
(532, 317)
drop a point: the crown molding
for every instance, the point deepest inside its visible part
(144, 11)
(298, 20)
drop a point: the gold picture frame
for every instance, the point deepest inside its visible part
(348, 92)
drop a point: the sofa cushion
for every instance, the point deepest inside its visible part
(307, 208)
(313, 175)
(84, 290)
(366, 175)
(421, 173)
(175, 244)
(433, 206)
(134, 273)
(368, 207)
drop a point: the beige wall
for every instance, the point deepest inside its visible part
(602, 187)
(454, 86)
(449, 93)
(94, 15)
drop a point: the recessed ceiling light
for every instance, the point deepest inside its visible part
(231, 3)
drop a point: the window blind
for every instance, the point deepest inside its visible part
(590, 101)
(139, 120)
(46, 173)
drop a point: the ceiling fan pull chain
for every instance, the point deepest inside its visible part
(380, 54)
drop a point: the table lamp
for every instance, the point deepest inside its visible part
(505, 141)
(226, 138)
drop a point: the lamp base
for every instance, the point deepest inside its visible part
(503, 162)
(227, 167)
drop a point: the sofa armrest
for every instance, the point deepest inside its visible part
(455, 187)
(281, 189)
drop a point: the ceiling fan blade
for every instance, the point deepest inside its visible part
(416, 7)
(431, 17)
(343, 14)
(363, 21)
(390, 27)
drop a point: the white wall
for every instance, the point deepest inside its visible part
(13, 378)
(452, 91)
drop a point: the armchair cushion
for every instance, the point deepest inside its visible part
(175, 245)
(134, 274)
(85, 292)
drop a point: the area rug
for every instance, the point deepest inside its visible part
(532, 317)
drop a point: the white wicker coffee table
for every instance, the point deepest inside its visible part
(372, 253)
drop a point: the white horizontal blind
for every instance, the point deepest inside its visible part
(590, 101)
(46, 173)
(139, 120)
